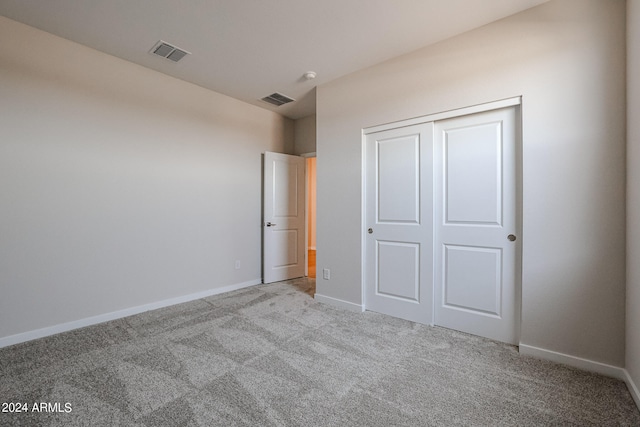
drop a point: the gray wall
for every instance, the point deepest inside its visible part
(119, 186)
(567, 59)
(305, 135)
(633, 193)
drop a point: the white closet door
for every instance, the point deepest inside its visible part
(399, 223)
(476, 247)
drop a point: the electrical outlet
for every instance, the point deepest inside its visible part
(326, 274)
(237, 264)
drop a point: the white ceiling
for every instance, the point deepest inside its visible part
(248, 49)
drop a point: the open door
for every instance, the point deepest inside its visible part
(283, 217)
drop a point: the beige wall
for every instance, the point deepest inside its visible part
(119, 186)
(567, 60)
(633, 195)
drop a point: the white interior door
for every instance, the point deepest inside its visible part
(284, 217)
(399, 221)
(476, 280)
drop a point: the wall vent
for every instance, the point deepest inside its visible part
(277, 99)
(169, 51)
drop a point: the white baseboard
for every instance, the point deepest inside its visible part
(576, 362)
(358, 308)
(633, 388)
(88, 321)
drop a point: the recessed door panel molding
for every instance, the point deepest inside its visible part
(398, 228)
(473, 174)
(285, 191)
(473, 279)
(477, 287)
(399, 179)
(283, 217)
(399, 270)
(286, 245)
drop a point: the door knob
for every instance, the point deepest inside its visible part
(270, 224)
(370, 231)
(511, 237)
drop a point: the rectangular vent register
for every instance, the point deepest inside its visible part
(277, 99)
(169, 51)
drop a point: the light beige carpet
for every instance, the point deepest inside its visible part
(271, 356)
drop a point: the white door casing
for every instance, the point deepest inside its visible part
(399, 222)
(476, 287)
(283, 217)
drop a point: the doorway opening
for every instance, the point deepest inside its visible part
(311, 217)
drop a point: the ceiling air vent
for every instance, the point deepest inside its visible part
(277, 99)
(168, 51)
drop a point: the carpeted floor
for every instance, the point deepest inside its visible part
(271, 356)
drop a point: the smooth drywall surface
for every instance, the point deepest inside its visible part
(567, 60)
(633, 191)
(305, 135)
(119, 186)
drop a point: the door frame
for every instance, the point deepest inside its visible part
(478, 108)
(311, 154)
